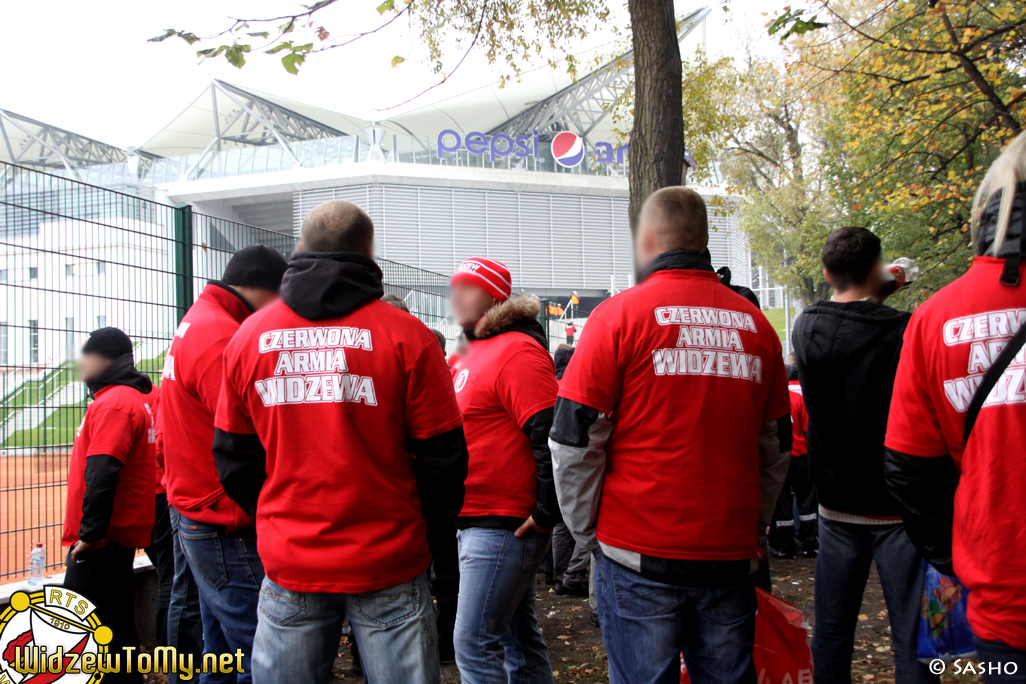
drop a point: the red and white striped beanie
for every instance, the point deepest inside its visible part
(488, 274)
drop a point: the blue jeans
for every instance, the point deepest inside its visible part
(846, 552)
(184, 624)
(646, 625)
(228, 573)
(497, 637)
(297, 639)
(1002, 663)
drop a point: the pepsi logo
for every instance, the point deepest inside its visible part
(568, 149)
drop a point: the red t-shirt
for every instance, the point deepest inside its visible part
(334, 403)
(571, 329)
(688, 371)
(502, 382)
(193, 372)
(799, 419)
(950, 343)
(118, 423)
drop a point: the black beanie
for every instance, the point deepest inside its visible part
(255, 266)
(108, 342)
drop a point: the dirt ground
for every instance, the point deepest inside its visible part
(577, 653)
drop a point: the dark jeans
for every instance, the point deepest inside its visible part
(184, 623)
(647, 624)
(228, 574)
(161, 553)
(1002, 664)
(445, 585)
(781, 536)
(106, 577)
(846, 554)
(570, 564)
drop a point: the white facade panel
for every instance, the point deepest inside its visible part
(549, 240)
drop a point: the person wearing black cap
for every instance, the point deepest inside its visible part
(215, 538)
(110, 504)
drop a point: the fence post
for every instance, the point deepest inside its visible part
(183, 259)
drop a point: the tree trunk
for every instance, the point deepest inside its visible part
(657, 139)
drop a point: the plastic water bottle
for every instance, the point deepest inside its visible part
(902, 273)
(37, 566)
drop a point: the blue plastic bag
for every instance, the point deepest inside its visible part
(944, 630)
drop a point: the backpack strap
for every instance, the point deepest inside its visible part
(992, 376)
(1010, 275)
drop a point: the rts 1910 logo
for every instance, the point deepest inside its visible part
(568, 149)
(53, 635)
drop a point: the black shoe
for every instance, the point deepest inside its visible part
(549, 580)
(787, 554)
(810, 553)
(594, 619)
(572, 589)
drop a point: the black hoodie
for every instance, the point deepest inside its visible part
(320, 285)
(847, 359)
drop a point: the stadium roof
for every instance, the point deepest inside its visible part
(39, 145)
(225, 116)
(544, 99)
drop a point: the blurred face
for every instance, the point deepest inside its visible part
(257, 297)
(469, 303)
(91, 366)
(646, 246)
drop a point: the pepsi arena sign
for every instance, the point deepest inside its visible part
(567, 148)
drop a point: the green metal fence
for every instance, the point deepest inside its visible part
(75, 257)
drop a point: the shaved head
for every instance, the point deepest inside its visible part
(672, 218)
(679, 218)
(338, 226)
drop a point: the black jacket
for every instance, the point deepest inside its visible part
(324, 285)
(847, 359)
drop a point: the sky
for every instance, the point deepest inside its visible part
(87, 66)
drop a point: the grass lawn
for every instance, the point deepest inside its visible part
(776, 319)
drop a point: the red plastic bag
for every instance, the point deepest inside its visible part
(782, 654)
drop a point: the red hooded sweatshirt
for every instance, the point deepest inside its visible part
(189, 394)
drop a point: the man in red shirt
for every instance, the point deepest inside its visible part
(782, 542)
(506, 386)
(570, 331)
(960, 484)
(339, 434)
(217, 538)
(109, 511)
(658, 466)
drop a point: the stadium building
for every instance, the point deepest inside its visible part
(532, 174)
